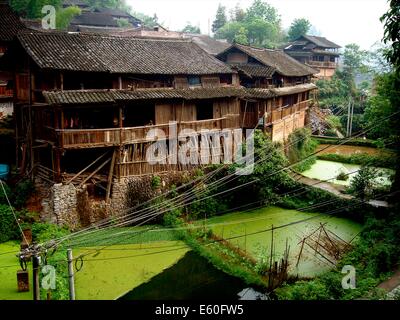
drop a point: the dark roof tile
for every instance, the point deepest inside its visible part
(94, 52)
(10, 25)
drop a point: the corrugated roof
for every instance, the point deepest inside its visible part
(10, 25)
(95, 52)
(277, 59)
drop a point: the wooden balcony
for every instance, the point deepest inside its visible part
(91, 138)
(282, 113)
(4, 92)
(322, 64)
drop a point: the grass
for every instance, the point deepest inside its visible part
(109, 274)
(260, 244)
(8, 275)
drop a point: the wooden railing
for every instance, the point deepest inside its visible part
(322, 64)
(284, 112)
(87, 138)
(6, 92)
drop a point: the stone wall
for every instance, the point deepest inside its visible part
(64, 201)
(130, 191)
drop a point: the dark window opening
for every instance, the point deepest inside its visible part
(91, 118)
(226, 79)
(204, 110)
(139, 115)
(194, 81)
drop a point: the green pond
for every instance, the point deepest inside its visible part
(329, 170)
(259, 244)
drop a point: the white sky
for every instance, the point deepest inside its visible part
(341, 21)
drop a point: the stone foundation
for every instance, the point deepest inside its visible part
(68, 205)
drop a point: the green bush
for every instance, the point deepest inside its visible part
(301, 146)
(386, 161)
(22, 192)
(155, 182)
(8, 226)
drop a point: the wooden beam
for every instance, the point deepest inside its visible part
(94, 172)
(110, 175)
(84, 169)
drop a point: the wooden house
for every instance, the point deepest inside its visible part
(316, 52)
(10, 26)
(81, 95)
(287, 81)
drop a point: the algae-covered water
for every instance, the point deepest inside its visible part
(329, 170)
(258, 243)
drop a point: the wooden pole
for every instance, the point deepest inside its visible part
(71, 275)
(110, 176)
(35, 272)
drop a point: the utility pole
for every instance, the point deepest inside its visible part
(71, 275)
(351, 118)
(35, 269)
(348, 119)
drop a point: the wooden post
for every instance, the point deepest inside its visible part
(35, 269)
(110, 176)
(61, 81)
(57, 164)
(71, 275)
(301, 251)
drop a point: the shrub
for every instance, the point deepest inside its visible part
(155, 182)
(22, 192)
(343, 176)
(8, 226)
(301, 146)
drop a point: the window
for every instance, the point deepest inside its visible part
(204, 110)
(194, 81)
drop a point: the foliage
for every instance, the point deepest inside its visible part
(342, 176)
(392, 32)
(259, 25)
(298, 28)
(220, 18)
(22, 192)
(385, 161)
(362, 185)
(301, 146)
(65, 16)
(123, 23)
(147, 21)
(42, 232)
(155, 182)
(189, 28)
(380, 107)
(375, 255)
(8, 226)
(32, 9)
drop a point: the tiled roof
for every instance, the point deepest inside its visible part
(255, 70)
(94, 52)
(277, 59)
(208, 44)
(10, 25)
(81, 97)
(94, 19)
(321, 42)
(113, 96)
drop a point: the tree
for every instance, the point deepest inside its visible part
(189, 28)
(220, 18)
(65, 16)
(263, 10)
(298, 28)
(147, 21)
(392, 36)
(241, 36)
(238, 14)
(354, 59)
(363, 184)
(32, 9)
